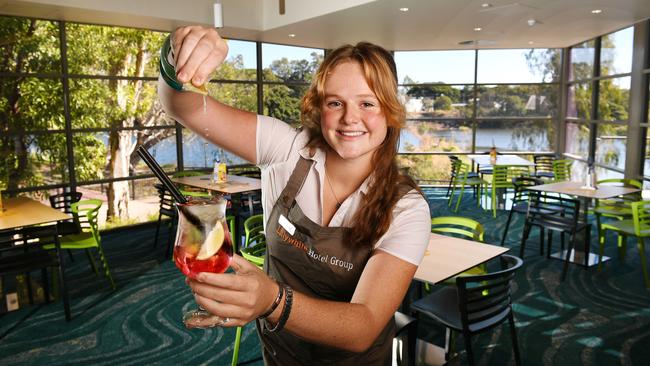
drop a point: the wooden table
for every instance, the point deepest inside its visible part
(582, 255)
(235, 186)
(23, 211)
(448, 256)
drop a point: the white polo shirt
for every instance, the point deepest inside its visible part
(279, 147)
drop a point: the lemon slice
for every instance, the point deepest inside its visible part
(202, 89)
(212, 243)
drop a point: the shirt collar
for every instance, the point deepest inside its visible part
(319, 157)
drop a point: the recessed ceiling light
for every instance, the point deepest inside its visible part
(530, 42)
(478, 29)
(291, 35)
(486, 5)
(596, 11)
(404, 9)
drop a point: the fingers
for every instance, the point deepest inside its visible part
(198, 52)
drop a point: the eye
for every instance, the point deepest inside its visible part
(367, 104)
(334, 104)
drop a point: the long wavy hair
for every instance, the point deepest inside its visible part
(375, 214)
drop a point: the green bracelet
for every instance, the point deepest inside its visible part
(167, 70)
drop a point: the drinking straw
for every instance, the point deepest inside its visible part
(160, 174)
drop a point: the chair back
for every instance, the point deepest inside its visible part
(503, 175)
(86, 212)
(544, 208)
(562, 170)
(246, 170)
(457, 226)
(166, 201)
(254, 248)
(188, 173)
(21, 249)
(641, 217)
(62, 201)
(544, 165)
(521, 193)
(485, 300)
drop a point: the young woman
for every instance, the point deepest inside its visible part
(345, 230)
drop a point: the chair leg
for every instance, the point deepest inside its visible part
(567, 256)
(468, 349)
(92, 261)
(155, 238)
(235, 351)
(524, 237)
(601, 246)
(46, 285)
(460, 195)
(451, 196)
(513, 335)
(448, 343)
(644, 268)
(505, 231)
(549, 244)
(63, 289)
(107, 270)
(622, 246)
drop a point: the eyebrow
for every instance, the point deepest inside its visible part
(359, 96)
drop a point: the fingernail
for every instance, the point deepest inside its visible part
(198, 81)
(181, 76)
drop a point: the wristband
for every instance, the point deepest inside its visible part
(286, 310)
(275, 304)
(167, 70)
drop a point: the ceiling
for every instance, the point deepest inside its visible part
(428, 24)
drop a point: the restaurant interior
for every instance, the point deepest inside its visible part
(526, 131)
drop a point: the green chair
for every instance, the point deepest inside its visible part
(253, 250)
(617, 208)
(464, 178)
(85, 212)
(639, 226)
(502, 179)
(562, 170)
(191, 192)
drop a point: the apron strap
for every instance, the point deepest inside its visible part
(297, 179)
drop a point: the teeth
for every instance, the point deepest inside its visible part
(351, 133)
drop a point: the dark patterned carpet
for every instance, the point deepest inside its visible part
(592, 318)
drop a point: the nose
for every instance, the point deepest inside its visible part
(352, 114)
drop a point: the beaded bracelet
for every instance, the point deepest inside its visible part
(275, 304)
(288, 300)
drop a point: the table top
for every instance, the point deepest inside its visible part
(448, 256)
(575, 189)
(484, 159)
(235, 183)
(23, 211)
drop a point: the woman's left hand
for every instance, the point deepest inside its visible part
(241, 296)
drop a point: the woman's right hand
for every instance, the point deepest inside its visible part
(198, 51)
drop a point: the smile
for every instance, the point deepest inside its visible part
(351, 133)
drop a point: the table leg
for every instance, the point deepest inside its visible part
(581, 253)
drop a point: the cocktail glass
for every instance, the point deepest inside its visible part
(203, 244)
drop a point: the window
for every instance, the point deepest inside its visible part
(518, 66)
(448, 67)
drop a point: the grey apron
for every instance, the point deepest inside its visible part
(317, 262)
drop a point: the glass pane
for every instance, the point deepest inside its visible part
(579, 101)
(113, 104)
(33, 160)
(426, 169)
(518, 66)
(582, 61)
(289, 63)
(31, 104)
(603, 173)
(577, 139)
(616, 52)
(579, 171)
(283, 102)
(537, 136)
(614, 99)
(517, 100)
(451, 67)
(242, 96)
(29, 46)
(92, 154)
(436, 136)
(241, 63)
(143, 203)
(113, 51)
(437, 101)
(610, 145)
(198, 153)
